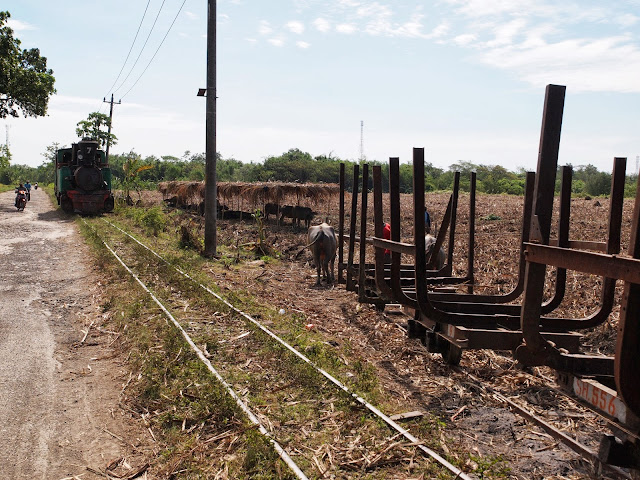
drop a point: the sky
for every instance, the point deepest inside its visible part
(465, 79)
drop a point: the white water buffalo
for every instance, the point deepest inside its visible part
(323, 244)
(439, 258)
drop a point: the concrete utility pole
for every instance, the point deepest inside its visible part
(211, 187)
(104, 100)
(362, 140)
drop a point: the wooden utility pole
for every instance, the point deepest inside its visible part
(104, 100)
(211, 187)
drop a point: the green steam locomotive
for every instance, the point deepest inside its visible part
(83, 179)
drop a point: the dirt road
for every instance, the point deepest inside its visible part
(58, 396)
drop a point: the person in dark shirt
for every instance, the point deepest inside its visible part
(427, 221)
(20, 190)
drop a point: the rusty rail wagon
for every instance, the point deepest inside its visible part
(448, 321)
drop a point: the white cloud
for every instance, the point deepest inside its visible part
(374, 10)
(349, 3)
(18, 26)
(264, 28)
(303, 45)
(505, 33)
(378, 19)
(322, 25)
(627, 20)
(346, 28)
(543, 42)
(464, 39)
(607, 64)
(295, 27)
(497, 8)
(61, 101)
(380, 22)
(276, 42)
(440, 30)
(191, 15)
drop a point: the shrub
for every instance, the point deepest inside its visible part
(152, 219)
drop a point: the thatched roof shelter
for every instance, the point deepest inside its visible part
(254, 193)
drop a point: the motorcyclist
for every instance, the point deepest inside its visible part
(20, 190)
(27, 186)
(36, 185)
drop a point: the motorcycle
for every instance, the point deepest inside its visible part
(21, 200)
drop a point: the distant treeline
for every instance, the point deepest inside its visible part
(298, 166)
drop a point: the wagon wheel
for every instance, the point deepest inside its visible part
(66, 204)
(109, 204)
(451, 353)
(416, 329)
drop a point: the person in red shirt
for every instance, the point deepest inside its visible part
(386, 234)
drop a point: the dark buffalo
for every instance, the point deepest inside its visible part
(286, 212)
(271, 209)
(303, 213)
(171, 202)
(323, 244)
(296, 214)
(429, 244)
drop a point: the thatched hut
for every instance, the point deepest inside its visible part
(252, 195)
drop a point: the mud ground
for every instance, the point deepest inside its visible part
(58, 390)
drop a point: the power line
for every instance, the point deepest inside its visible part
(156, 52)
(143, 47)
(130, 48)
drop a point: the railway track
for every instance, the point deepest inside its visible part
(549, 425)
(248, 369)
(499, 395)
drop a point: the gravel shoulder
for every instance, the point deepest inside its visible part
(59, 394)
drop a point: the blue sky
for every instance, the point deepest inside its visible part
(464, 79)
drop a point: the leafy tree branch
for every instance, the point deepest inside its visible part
(96, 126)
(25, 81)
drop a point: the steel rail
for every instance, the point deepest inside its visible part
(543, 380)
(577, 447)
(252, 417)
(393, 424)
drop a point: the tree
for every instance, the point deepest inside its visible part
(25, 82)
(5, 156)
(92, 127)
(46, 171)
(130, 180)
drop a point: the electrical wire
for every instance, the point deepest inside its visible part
(143, 47)
(130, 48)
(156, 52)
